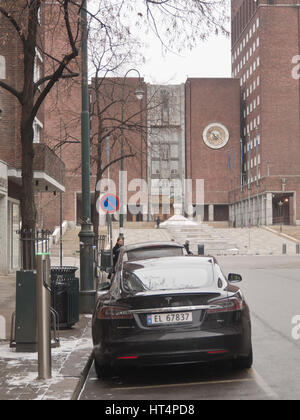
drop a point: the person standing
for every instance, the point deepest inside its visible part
(116, 250)
(157, 222)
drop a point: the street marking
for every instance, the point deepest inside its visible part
(263, 384)
(225, 381)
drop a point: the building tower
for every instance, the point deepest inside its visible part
(265, 49)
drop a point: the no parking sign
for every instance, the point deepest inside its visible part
(109, 203)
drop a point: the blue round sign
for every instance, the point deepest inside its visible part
(109, 203)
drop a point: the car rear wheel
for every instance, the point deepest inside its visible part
(244, 362)
(103, 371)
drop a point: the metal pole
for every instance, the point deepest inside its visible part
(139, 93)
(60, 209)
(43, 315)
(86, 235)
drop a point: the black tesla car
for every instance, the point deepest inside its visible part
(171, 310)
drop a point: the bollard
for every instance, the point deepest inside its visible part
(200, 249)
(284, 248)
(298, 248)
(43, 317)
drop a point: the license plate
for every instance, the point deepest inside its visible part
(169, 318)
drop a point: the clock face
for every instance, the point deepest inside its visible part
(215, 135)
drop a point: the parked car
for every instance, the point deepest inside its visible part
(140, 251)
(145, 250)
(171, 310)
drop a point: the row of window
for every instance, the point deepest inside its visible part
(252, 125)
(249, 71)
(165, 167)
(247, 38)
(164, 151)
(251, 107)
(252, 163)
(246, 57)
(251, 88)
(252, 144)
(256, 177)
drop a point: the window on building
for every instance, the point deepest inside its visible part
(38, 66)
(155, 167)
(174, 167)
(2, 67)
(174, 151)
(37, 131)
(165, 151)
(155, 151)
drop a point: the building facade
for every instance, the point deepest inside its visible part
(48, 169)
(265, 56)
(237, 137)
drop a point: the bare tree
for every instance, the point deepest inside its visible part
(177, 23)
(25, 18)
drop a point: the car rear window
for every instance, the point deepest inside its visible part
(137, 254)
(168, 279)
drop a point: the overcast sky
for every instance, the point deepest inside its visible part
(212, 58)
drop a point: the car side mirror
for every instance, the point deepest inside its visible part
(234, 278)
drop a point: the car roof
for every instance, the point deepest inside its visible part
(185, 261)
(152, 244)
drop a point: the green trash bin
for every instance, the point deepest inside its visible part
(65, 295)
(105, 259)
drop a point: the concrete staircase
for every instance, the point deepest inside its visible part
(70, 244)
(214, 242)
(233, 241)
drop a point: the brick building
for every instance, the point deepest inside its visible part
(239, 135)
(265, 48)
(48, 169)
(213, 141)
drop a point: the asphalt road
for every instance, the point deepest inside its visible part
(271, 286)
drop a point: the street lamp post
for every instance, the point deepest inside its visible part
(139, 94)
(86, 235)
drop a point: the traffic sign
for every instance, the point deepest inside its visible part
(109, 203)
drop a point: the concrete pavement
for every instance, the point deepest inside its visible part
(19, 371)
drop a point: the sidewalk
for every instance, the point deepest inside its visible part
(19, 371)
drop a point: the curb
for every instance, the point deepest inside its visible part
(82, 378)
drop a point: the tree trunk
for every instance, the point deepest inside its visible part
(28, 209)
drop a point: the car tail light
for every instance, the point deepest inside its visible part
(127, 357)
(226, 305)
(114, 312)
(217, 352)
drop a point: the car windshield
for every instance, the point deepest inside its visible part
(168, 278)
(137, 254)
